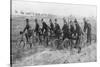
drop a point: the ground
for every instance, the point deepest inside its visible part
(48, 56)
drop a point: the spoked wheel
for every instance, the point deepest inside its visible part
(35, 40)
(50, 41)
(83, 40)
(67, 43)
(45, 42)
(21, 43)
(57, 44)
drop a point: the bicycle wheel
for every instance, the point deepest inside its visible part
(83, 40)
(66, 43)
(21, 42)
(56, 43)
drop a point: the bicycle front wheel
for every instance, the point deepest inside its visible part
(20, 43)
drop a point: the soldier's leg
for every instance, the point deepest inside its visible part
(44, 35)
(58, 35)
(29, 36)
(79, 39)
(36, 33)
(76, 44)
(89, 38)
(64, 36)
(29, 39)
(26, 35)
(51, 32)
(55, 35)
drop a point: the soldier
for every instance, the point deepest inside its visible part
(45, 28)
(65, 29)
(27, 28)
(57, 29)
(51, 27)
(87, 29)
(36, 27)
(78, 33)
(72, 30)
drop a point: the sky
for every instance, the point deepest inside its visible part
(54, 8)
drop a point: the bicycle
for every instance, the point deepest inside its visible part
(21, 41)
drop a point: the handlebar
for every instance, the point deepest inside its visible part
(21, 32)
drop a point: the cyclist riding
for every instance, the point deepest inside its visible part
(27, 30)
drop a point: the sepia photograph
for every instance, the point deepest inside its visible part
(43, 33)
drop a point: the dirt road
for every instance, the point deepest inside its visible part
(48, 56)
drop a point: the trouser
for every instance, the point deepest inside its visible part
(65, 36)
(57, 35)
(51, 32)
(89, 38)
(77, 41)
(27, 35)
(77, 45)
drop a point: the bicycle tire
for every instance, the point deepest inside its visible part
(19, 43)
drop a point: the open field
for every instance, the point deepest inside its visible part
(36, 55)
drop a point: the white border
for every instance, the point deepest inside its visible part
(5, 31)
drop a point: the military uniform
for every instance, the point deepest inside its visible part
(37, 29)
(87, 29)
(51, 28)
(65, 30)
(57, 30)
(29, 31)
(44, 28)
(78, 33)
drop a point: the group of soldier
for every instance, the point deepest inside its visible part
(70, 30)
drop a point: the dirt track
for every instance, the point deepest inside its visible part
(88, 54)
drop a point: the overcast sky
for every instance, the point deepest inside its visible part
(53, 8)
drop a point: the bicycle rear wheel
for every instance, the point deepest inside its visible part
(57, 44)
(66, 43)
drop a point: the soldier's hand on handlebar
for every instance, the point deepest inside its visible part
(21, 32)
